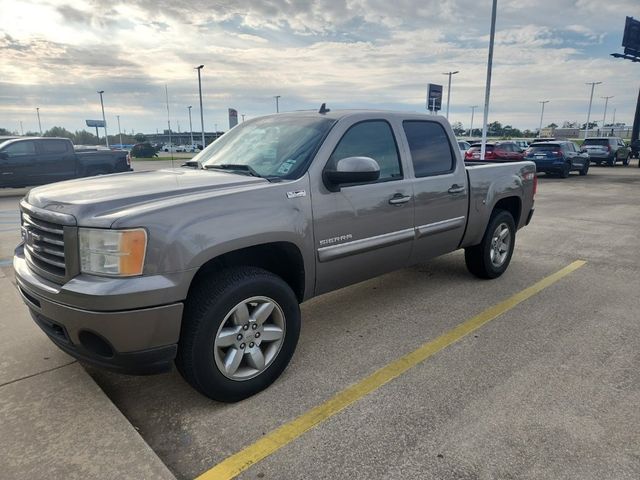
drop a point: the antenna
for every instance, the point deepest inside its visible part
(323, 109)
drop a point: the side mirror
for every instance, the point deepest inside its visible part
(352, 170)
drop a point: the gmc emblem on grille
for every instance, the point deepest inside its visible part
(27, 236)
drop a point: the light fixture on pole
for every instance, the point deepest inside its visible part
(449, 89)
(606, 103)
(487, 91)
(277, 104)
(473, 110)
(39, 124)
(190, 125)
(104, 119)
(119, 131)
(198, 68)
(543, 102)
(593, 84)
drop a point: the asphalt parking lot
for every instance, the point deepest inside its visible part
(548, 389)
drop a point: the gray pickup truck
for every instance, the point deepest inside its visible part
(207, 266)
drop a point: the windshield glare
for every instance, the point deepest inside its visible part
(276, 146)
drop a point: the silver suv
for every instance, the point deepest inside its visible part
(607, 149)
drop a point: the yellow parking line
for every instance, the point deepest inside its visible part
(278, 438)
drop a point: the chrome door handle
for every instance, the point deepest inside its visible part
(399, 199)
(455, 188)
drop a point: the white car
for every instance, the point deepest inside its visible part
(463, 146)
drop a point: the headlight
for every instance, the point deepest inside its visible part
(118, 253)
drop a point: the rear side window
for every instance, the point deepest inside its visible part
(373, 139)
(430, 148)
(21, 148)
(54, 146)
(544, 148)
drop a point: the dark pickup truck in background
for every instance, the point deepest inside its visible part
(30, 161)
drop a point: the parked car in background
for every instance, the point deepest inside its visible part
(144, 150)
(559, 158)
(522, 144)
(29, 161)
(463, 146)
(506, 151)
(609, 150)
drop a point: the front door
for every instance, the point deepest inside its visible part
(363, 230)
(18, 164)
(440, 189)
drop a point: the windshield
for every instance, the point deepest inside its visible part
(596, 141)
(276, 146)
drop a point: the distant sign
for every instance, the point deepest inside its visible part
(95, 123)
(434, 97)
(233, 118)
(631, 37)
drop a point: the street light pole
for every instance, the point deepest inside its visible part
(543, 102)
(190, 125)
(119, 131)
(449, 90)
(473, 110)
(242, 118)
(39, 124)
(277, 105)
(21, 129)
(593, 84)
(606, 102)
(492, 36)
(198, 68)
(104, 119)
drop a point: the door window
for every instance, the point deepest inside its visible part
(20, 148)
(54, 146)
(430, 148)
(373, 139)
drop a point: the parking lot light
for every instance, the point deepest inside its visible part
(104, 119)
(543, 102)
(277, 97)
(119, 131)
(606, 103)
(473, 109)
(39, 124)
(199, 68)
(593, 84)
(487, 91)
(449, 89)
(190, 125)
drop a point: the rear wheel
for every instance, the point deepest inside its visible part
(240, 329)
(612, 161)
(627, 159)
(492, 256)
(566, 170)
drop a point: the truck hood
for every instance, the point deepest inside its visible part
(98, 201)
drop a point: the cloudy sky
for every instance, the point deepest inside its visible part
(350, 53)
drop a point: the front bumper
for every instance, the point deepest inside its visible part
(139, 341)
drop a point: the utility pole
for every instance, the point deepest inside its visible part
(242, 117)
(593, 84)
(473, 110)
(166, 93)
(606, 103)
(39, 124)
(190, 125)
(492, 36)
(543, 102)
(449, 89)
(21, 129)
(277, 105)
(104, 119)
(119, 132)
(198, 68)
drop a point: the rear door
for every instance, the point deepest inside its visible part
(56, 160)
(439, 187)
(362, 230)
(18, 164)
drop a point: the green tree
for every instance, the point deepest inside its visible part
(58, 132)
(5, 132)
(139, 137)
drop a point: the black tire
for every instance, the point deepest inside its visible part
(207, 306)
(585, 169)
(566, 170)
(478, 257)
(612, 161)
(626, 161)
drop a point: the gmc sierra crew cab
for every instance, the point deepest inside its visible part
(207, 266)
(29, 161)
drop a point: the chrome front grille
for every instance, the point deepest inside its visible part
(44, 245)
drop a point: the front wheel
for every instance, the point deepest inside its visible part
(585, 169)
(566, 170)
(627, 159)
(240, 329)
(492, 256)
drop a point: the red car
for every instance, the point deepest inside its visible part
(495, 151)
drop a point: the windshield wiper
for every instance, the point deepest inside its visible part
(242, 170)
